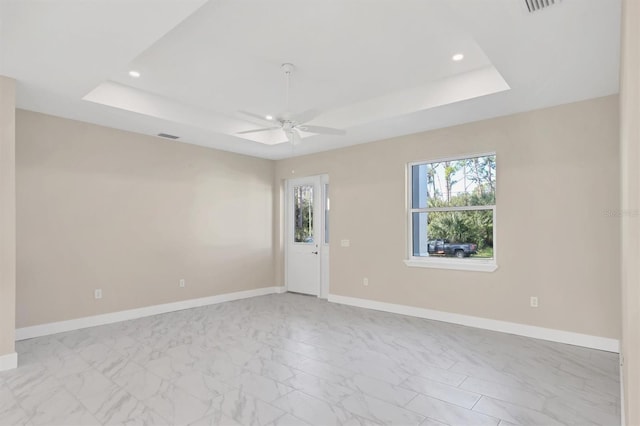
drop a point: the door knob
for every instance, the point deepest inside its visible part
(314, 252)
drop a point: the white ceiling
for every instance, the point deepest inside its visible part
(376, 68)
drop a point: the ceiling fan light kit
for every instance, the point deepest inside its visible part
(290, 124)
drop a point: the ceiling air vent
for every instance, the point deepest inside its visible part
(535, 5)
(168, 136)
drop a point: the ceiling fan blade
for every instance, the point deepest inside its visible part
(266, 129)
(322, 130)
(305, 116)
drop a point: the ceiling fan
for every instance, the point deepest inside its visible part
(290, 123)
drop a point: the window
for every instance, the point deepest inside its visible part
(452, 209)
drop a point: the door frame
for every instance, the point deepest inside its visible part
(323, 246)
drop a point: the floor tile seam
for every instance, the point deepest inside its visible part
(329, 363)
(370, 376)
(544, 397)
(457, 406)
(13, 409)
(615, 408)
(459, 385)
(520, 384)
(320, 378)
(354, 415)
(226, 381)
(84, 371)
(449, 403)
(338, 404)
(171, 383)
(128, 360)
(79, 347)
(323, 378)
(600, 375)
(36, 351)
(75, 397)
(307, 343)
(23, 409)
(423, 417)
(341, 406)
(543, 412)
(147, 406)
(285, 413)
(453, 365)
(181, 360)
(404, 386)
(17, 398)
(231, 388)
(15, 372)
(283, 350)
(477, 400)
(520, 387)
(145, 370)
(279, 396)
(381, 422)
(440, 421)
(273, 345)
(410, 401)
(91, 362)
(370, 394)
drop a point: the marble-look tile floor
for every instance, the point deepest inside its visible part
(296, 360)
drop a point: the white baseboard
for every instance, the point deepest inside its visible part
(577, 339)
(92, 321)
(8, 361)
(595, 342)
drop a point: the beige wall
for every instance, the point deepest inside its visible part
(102, 208)
(131, 214)
(7, 216)
(558, 174)
(630, 158)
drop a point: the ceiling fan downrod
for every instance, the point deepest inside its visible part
(288, 69)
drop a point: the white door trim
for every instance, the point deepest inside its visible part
(323, 290)
(324, 250)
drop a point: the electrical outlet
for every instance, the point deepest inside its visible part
(534, 302)
(97, 293)
(365, 281)
(182, 283)
(345, 243)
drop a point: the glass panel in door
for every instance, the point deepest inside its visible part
(303, 214)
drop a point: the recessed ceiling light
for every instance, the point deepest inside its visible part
(269, 117)
(134, 73)
(457, 57)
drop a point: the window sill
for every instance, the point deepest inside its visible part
(460, 265)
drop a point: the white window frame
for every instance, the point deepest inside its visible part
(480, 265)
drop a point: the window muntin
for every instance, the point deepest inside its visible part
(452, 208)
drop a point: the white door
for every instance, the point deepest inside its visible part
(305, 236)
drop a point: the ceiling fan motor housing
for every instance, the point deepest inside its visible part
(287, 67)
(287, 125)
